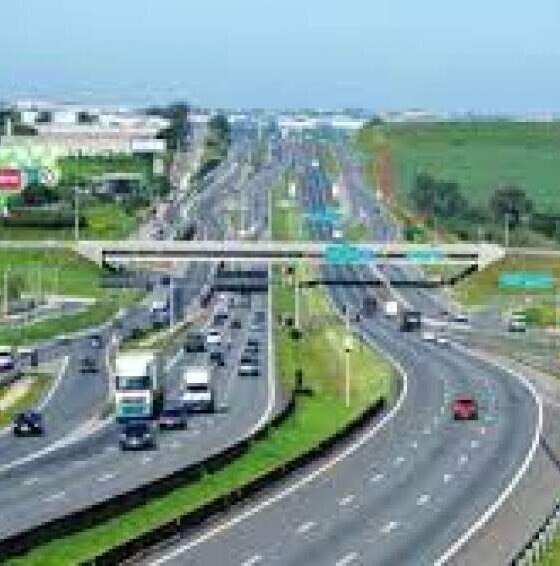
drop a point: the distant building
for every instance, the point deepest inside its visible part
(79, 130)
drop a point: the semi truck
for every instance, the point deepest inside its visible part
(197, 389)
(139, 387)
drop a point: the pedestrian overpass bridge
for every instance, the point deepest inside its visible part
(382, 253)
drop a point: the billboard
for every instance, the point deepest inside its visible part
(11, 179)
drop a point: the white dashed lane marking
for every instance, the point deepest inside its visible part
(348, 559)
(475, 443)
(389, 527)
(376, 478)
(253, 560)
(346, 500)
(305, 527)
(106, 477)
(31, 481)
(399, 460)
(55, 496)
(463, 459)
(447, 478)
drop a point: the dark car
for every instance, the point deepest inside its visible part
(28, 423)
(259, 317)
(173, 418)
(88, 364)
(195, 343)
(235, 324)
(248, 366)
(465, 408)
(217, 357)
(137, 435)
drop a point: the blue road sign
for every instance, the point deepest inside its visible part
(348, 254)
(526, 280)
(424, 256)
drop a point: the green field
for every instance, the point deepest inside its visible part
(81, 169)
(60, 273)
(480, 156)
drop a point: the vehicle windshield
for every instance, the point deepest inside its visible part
(197, 388)
(132, 383)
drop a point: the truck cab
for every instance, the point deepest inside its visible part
(410, 321)
(198, 393)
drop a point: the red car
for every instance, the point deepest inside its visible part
(464, 409)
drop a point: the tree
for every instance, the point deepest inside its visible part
(511, 200)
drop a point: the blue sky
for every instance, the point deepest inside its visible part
(491, 55)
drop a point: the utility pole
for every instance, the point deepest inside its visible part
(348, 349)
(506, 230)
(296, 299)
(6, 301)
(171, 302)
(76, 215)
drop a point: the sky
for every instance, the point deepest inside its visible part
(481, 55)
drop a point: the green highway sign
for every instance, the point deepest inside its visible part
(526, 280)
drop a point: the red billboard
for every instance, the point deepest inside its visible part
(10, 179)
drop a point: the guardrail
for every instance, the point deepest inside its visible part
(541, 541)
(179, 526)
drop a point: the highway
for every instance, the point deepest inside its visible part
(78, 461)
(413, 484)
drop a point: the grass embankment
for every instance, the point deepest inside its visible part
(483, 288)
(480, 156)
(321, 357)
(59, 273)
(38, 385)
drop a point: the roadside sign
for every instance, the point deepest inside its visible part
(10, 179)
(346, 254)
(424, 256)
(526, 280)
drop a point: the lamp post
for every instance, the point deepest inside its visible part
(76, 213)
(506, 229)
(347, 350)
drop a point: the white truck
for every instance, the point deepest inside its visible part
(391, 309)
(138, 385)
(197, 390)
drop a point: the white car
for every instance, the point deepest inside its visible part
(7, 360)
(213, 337)
(442, 339)
(337, 234)
(429, 336)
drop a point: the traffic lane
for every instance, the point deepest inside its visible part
(77, 398)
(83, 480)
(297, 531)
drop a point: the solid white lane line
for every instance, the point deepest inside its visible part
(47, 399)
(463, 459)
(348, 559)
(399, 460)
(348, 451)
(389, 527)
(305, 527)
(346, 500)
(423, 499)
(255, 559)
(54, 496)
(447, 478)
(30, 481)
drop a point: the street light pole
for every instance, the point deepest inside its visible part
(347, 348)
(6, 302)
(76, 215)
(296, 300)
(506, 229)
